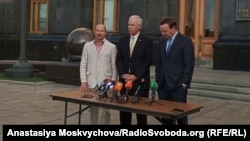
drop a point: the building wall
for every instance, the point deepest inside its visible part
(228, 25)
(67, 15)
(10, 17)
(64, 16)
(232, 50)
(150, 11)
(9, 29)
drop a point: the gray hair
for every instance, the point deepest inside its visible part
(138, 19)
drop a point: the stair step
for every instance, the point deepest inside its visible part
(221, 95)
(220, 88)
(231, 85)
(221, 82)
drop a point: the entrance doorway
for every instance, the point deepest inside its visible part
(199, 20)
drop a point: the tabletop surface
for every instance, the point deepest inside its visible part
(158, 107)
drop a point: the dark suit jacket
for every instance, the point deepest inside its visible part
(176, 67)
(139, 63)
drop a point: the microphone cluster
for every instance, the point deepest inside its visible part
(108, 85)
(115, 87)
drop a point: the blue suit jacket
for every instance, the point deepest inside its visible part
(177, 67)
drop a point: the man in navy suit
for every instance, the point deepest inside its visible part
(133, 64)
(174, 65)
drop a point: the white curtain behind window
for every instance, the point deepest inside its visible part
(108, 14)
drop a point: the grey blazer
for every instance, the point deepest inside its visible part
(95, 67)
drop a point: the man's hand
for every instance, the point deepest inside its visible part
(84, 87)
(125, 76)
(131, 77)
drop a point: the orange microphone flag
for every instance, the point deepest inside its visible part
(118, 86)
(128, 85)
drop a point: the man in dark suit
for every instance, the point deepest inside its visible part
(133, 62)
(174, 65)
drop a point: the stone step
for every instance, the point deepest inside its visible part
(220, 88)
(216, 88)
(215, 81)
(220, 95)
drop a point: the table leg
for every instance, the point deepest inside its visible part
(65, 112)
(79, 114)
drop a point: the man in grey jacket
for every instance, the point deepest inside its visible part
(98, 64)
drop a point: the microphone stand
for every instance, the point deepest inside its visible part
(128, 86)
(136, 97)
(125, 98)
(103, 95)
(114, 96)
(153, 99)
(116, 91)
(153, 87)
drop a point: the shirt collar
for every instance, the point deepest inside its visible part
(173, 37)
(136, 36)
(102, 42)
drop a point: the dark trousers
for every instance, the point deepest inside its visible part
(180, 95)
(126, 118)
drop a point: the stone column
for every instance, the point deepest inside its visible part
(22, 69)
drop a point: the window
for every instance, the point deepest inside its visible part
(209, 18)
(39, 16)
(106, 12)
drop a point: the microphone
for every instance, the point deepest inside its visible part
(116, 90)
(108, 86)
(101, 85)
(128, 86)
(134, 98)
(153, 88)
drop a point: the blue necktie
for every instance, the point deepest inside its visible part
(169, 44)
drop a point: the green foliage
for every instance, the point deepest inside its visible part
(31, 79)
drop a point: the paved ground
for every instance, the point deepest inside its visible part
(30, 103)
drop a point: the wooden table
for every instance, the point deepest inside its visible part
(157, 108)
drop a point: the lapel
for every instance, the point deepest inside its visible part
(127, 43)
(164, 44)
(126, 46)
(104, 47)
(137, 45)
(173, 44)
(93, 49)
